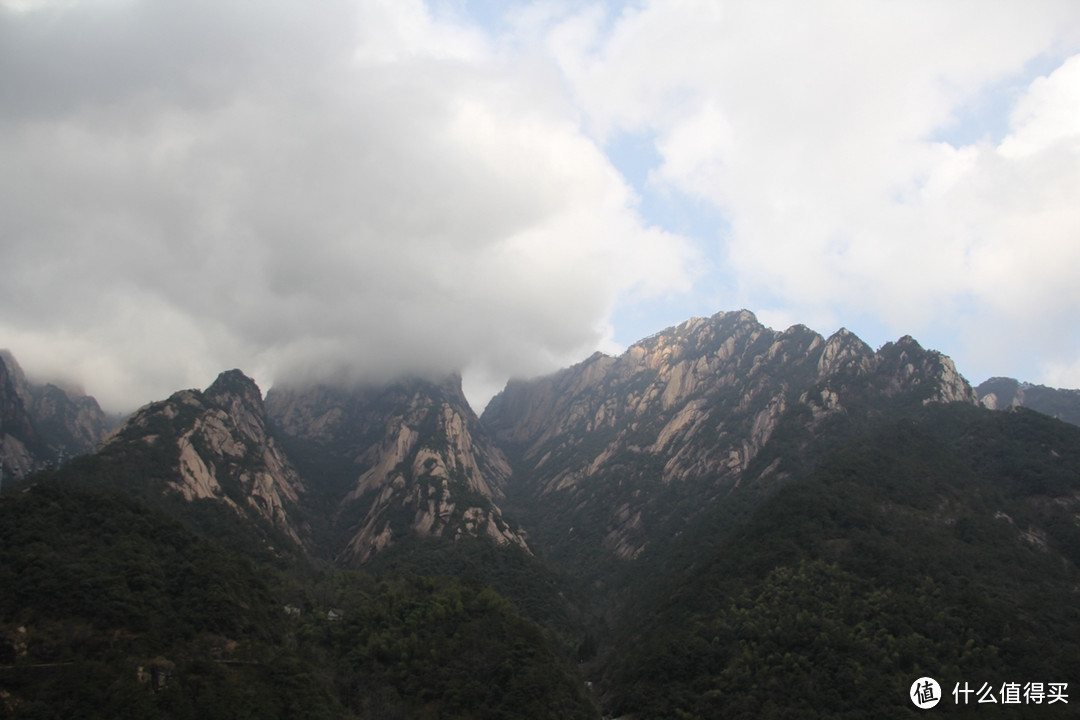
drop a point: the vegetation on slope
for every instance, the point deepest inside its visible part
(111, 609)
(931, 548)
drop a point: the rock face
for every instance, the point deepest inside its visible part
(216, 445)
(43, 425)
(1006, 393)
(615, 452)
(19, 441)
(597, 461)
(393, 461)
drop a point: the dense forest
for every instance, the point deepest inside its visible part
(927, 549)
(113, 610)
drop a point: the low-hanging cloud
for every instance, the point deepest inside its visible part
(342, 189)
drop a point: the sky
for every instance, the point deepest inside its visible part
(361, 189)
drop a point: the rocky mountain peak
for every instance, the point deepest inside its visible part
(14, 376)
(43, 425)
(404, 459)
(1001, 393)
(216, 445)
(235, 384)
(680, 417)
(844, 352)
(19, 441)
(928, 373)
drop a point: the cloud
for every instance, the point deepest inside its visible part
(364, 189)
(815, 128)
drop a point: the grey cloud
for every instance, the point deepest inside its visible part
(191, 186)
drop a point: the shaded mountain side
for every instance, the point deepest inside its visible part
(1001, 393)
(43, 425)
(403, 478)
(387, 463)
(945, 546)
(113, 609)
(615, 454)
(20, 445)
(537, 591)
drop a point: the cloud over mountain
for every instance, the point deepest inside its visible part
(371, 188)
(360, 189)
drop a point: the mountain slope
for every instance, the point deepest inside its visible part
(211, 457)
(1004, 393)
(43, 425)
(407, 459)
(757, 524)
(945, 546)
(20, 445)
(616, 453)
(112, 609)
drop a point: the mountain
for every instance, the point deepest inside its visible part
(20, 445)
(723, 521)
(42, 425)
(210, 456)
(404, 460)
(943, 545)
(112, 609)
(218, 615)
(1000, 393)
(614, 454)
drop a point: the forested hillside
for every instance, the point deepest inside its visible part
(113, 610)
(945, 546)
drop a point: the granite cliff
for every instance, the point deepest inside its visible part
(214, 445)
(999, 393)
(43, 425)
(405, 459)
(617, 452)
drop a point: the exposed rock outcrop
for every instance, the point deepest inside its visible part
(412, 460)
(677, 420)
(1001, 393)
(216, 445)
(43, 425)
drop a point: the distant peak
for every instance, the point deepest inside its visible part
(908, 341)
(12, 365)
(746, 316)
(843, 336)
(234, 382)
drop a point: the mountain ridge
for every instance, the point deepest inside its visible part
(43, 425)
(1002, 393)
(678, 419)
(213, 446)
(720, 513)
(415, 461)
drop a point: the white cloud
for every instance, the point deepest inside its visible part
(1047, 115)
(371, 192)
(812, 127)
